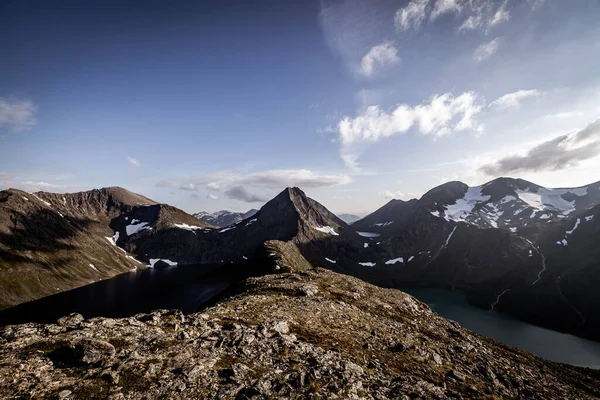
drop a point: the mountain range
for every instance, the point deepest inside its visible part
(510, 245)
(223, 218)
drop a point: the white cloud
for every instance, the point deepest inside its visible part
(389, 194)
(18, 115)
(514, 99)
(445, 6)
(382, 55)
(431, 117)
(133, 161)
(486, 50)
(472, 23)
(500, 16)
(213, 186)
(444, 114)
(212, 196)
(411, 16)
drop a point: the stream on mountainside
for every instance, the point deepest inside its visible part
(543, 342)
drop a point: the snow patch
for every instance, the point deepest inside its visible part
(43, 201)
(513, 230)
(155, 260)
(367, 264)
(435, 213)
(463, 206)
(395, 260)
(330, 260)
(327, 229)
(563, 242)
(369, 234)
(551, 199)
(135, 228)
(93, 267)
(544, 216)
(507, 199)
(25, 198)
(227, 229)
(251, 221)
(366, 245)
(187, 227)
(410, 258)
(589, 218)
(383, 224)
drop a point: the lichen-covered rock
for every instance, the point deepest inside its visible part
(349, 340)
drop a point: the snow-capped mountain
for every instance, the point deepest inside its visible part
(223, 218)
(511, 204)
(510, 244)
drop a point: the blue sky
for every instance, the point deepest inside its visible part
(220, 105)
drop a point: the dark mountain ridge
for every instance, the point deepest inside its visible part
(224, 218)
(54, 242)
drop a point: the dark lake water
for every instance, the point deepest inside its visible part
(185, 287)
(545, 343)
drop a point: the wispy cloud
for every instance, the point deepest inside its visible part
(514, 99)
(444, 7)
(500, 16)
(133, 161)
(477, 14)
(7, 181)
(486, 50)
(411, 16)
(398, 194)
(212, 196)
(484, 15)
(392, 194)
(17, 115)
(442, 115)
(555, 154)
(271, 179)
(189, 187)
(213, 186)
(242, 194)
(379, 56)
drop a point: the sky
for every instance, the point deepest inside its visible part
(222, 104)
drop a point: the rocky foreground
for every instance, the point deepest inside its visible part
(308, 334)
